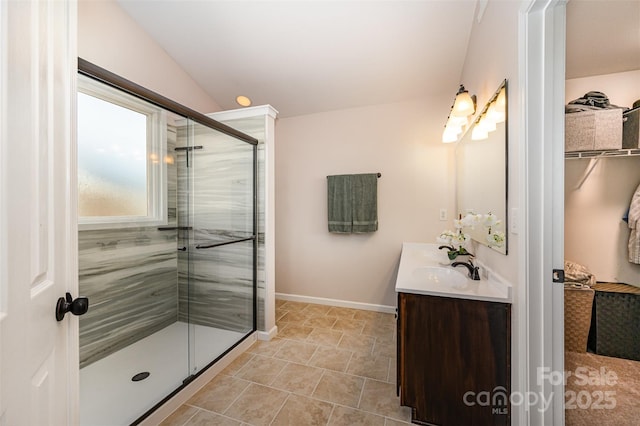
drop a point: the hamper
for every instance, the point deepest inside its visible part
(615, 327)
(578, 301)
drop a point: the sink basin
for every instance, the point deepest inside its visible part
(424, 269)
(440, 275)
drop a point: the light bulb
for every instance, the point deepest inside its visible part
(458, 121)
(449, 136)
(501, 101)
(453, 127)
(487, 123)
(478, 133)
(495, 115)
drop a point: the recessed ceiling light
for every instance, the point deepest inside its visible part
(243, 101)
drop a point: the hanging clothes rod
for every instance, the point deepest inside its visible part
(379, 175)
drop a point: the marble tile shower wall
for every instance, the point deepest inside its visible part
(129, 276)
(215, 285)
(219, 292)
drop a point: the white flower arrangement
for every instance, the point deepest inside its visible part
(459, 238)
(495, 239)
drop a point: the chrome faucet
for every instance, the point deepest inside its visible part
(450, 248)
(473, 270)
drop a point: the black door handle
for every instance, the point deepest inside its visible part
(79, 306)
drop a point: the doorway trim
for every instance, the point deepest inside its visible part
(542, 71)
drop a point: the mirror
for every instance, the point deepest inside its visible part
(481, 169)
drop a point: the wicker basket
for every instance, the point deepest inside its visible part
(578, 303)
(617, 320)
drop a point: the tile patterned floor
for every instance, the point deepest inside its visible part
(328, 366)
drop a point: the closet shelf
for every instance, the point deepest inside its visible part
(602, 153)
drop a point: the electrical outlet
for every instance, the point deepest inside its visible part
(443, 214)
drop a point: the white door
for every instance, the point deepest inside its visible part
(38, 355)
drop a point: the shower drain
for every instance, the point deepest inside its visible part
(140, 376)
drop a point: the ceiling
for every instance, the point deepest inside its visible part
(304, 57)
(603, 37)
(309, 56)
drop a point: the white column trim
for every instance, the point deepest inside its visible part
(542, 63)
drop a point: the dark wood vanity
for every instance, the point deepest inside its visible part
(454, 360)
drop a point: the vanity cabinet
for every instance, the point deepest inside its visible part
(454, 360)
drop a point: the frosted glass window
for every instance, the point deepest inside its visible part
(112, 159)
(121, 147)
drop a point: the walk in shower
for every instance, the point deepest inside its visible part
(167, 245)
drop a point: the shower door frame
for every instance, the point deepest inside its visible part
(95, 72)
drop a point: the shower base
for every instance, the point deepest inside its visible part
(109, 397)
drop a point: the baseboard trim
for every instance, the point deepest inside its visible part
(335, 302)
(192, 388)
(268, 335)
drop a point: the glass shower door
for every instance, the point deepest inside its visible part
(158, 316)
(221, 252)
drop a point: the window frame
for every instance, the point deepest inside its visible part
(157, 211)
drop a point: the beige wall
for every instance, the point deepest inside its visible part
(109, 38)
(492, 56)
(401, 141)
(419, 180)
(595, 234)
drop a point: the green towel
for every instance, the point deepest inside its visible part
(339, 193)
(364, 202)
(353, 203)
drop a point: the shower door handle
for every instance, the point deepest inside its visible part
(78, 306)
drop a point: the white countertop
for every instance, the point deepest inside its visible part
(426, 270)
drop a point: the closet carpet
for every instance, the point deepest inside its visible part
(605, 391)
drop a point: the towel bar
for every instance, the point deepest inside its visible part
(379, 175)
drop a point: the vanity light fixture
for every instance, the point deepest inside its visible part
(464, 106)
(243, 101)
(453, 129)
(479, 133)
(482, 127)
(494, 112)
(497, 111)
